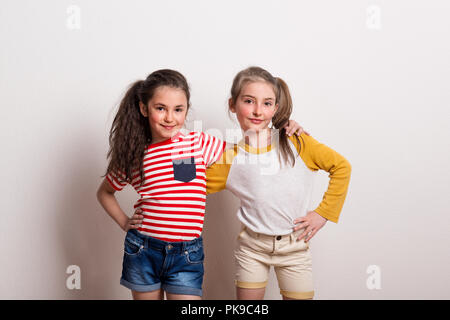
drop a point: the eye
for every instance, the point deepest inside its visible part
(268, 104)
(179, 109)
(248, 100)
(160, 108)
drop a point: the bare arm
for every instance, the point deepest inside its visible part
(106, 197)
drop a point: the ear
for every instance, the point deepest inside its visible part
(143, 109)
(231, 105)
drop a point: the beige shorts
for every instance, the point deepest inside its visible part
(255, 253)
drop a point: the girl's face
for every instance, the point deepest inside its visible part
(166, 112)
(255, 106)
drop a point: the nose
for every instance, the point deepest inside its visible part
(257, 110)
(169, 117)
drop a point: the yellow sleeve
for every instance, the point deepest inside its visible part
(217, 173)
(318, 156)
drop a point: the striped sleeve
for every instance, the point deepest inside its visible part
(212, 148)
(116, 180)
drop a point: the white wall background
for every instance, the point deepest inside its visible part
(371, 79)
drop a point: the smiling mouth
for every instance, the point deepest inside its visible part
(168, 127)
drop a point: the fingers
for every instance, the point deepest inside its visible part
(290, 127)
(301, 226)
(308, 234)
(302, 222)
(304, 234)
(298, 130)
(135, 221)
(298, 220)
(290, 131)
(312, 223)
(293, 127)
(138, 213)
(135, 225)
(137, 217)
(311, 234)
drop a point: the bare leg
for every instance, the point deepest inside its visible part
(172, 296)
(250, 294)
(151, 295)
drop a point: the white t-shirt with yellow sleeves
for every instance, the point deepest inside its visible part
(274, 193)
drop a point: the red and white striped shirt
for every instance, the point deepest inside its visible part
(173, 195)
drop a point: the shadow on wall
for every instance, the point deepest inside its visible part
(87, 236)
(220, 231)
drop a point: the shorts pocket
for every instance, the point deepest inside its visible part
(194, 255)
(184, 169)
(132, 247)
(301, 245)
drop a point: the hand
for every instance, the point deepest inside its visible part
(293, 127)
(135, 221)
(312, 223)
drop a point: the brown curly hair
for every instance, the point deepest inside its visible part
(130, 133)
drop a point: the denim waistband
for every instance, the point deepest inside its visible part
(173, 247)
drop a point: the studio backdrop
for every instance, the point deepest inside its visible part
(370, 79)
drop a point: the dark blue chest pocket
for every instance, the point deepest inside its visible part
(184, 169)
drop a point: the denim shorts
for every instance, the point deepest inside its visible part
(150, 264)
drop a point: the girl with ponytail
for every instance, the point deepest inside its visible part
(272, 174)
(163, 247)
